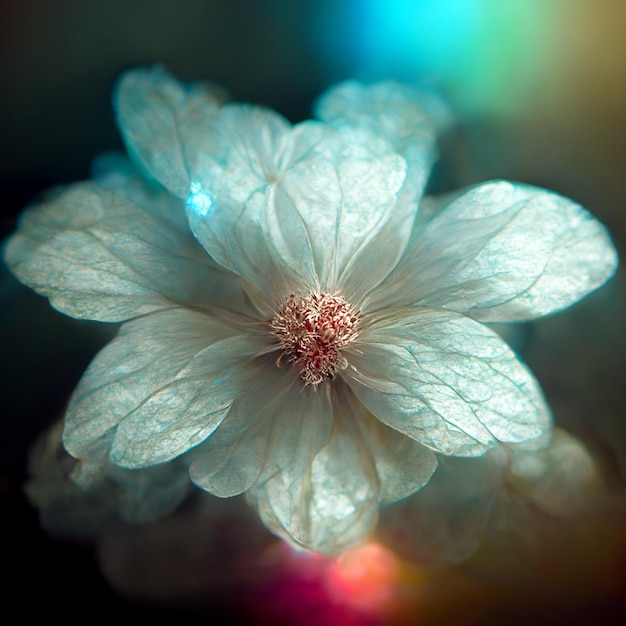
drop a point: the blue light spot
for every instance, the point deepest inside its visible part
(428, 36)
(200, 201)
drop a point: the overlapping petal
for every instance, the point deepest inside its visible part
(343, 201)
(97, 256)
(446, 520)
(383, 116)
(386, 447)
(389, 111)
(332, 502)
(447, 381)
(271, 197)
(329, 507)
(166, 381)
(503, 252)
(275, 426)
(117, 172)
(159, 119)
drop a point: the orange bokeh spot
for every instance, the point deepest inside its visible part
(364, 578)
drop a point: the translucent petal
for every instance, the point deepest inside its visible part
(369, 189)
(245, 148)
(447, 381)
(274, 427)
(231, 206)
(97, 256)
(503, 252)
(314, 201)
(341, 196)
(117, 172)
(446, 521)
(231, 234)
(367, 115)
(331, 506)
(158, 389)
(159, 120)
(387, 110)
(403, 466)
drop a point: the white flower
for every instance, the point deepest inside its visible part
(304, 333)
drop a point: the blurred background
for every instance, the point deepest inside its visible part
(537, 94)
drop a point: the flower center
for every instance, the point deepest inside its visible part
(312, 329)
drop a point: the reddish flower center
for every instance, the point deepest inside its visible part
(312, 330)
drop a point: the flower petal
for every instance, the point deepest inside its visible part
(231, 206)
(138, 496)
(97, 256)
(403, 466)
(447, 381)
(274, 427)
(117, 172)
(331, 506)
(162, 386)
(312, 199)
(561, 479)
(447, 519)
(387, 110)
(384, 114)
(503, 252)
(159, 120)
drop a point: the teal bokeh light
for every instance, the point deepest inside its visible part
(422, 35)
(485, 55)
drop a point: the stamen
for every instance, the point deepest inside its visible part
(312, 330)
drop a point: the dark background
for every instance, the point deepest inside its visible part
(538, 90)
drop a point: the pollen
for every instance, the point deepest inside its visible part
(312, 330)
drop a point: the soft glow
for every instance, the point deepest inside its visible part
(484, 54)
(364, 578)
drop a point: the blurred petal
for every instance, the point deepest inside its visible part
(97, 256)
(446, 521)
(77, 499)
(137, 496)
(447, 381)
(161, 387)
(275, 426)
(560, 479)
(158, 118)
(504, 252)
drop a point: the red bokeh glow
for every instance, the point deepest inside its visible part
(363, 578)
